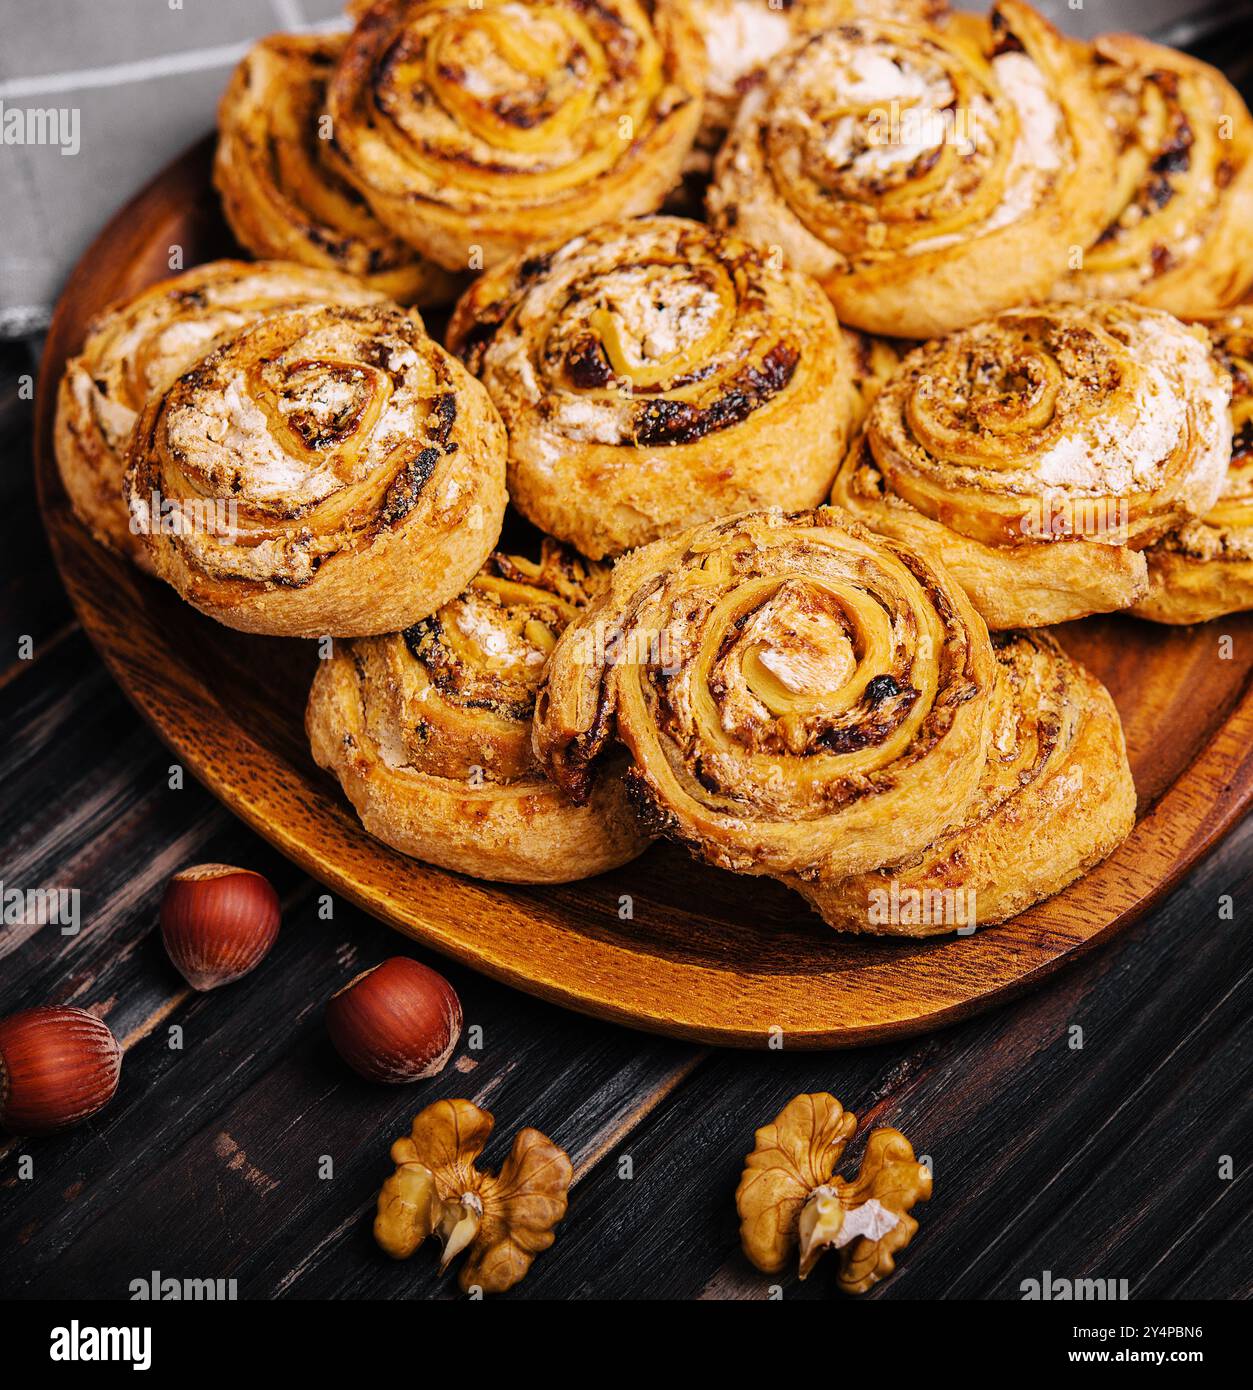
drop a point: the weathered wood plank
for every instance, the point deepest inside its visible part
(256, 1094)
(1036, 1135)
(1077, 1161)
(236, 1125)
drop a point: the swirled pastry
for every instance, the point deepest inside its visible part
(474, 131)
(1042, 451)
(796, 694)
(927, 177)
(1056, 798)
(1205, 568)
(1177, 230)
(328, 471)
(655, 373)
(744, 37)
(282, 189)
(429, 732)
(137, 347)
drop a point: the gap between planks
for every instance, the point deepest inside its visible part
(586, 1158)
(613, 1133)
(163, 1010)
(48, 644)
(1078, 1151)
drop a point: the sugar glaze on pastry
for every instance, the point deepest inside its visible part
(743, 38)
(1204, 568)
(137, 347)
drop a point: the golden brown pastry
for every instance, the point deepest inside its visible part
(1178, 228)
(283, 191)
(927, 177)
(1042, 451)
(138, 346)
(1205, 568)
(875, 361)
(475, 131)
(429, 732)
(796, 695)
(328, 471)
(743, 38)
(1055, 799)
(655, 373)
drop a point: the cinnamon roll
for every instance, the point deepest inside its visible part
(1205, 568)
(1055, 799)
(1176, 232)
(138, 346)
(429, 732)
(744, 37)
(655, 373)
(280, 179)
(328, 471)
(928, 177)
(1042, 451)
(795, 694)
(474, 131)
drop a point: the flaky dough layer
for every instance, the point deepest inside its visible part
(1056, 797)
(283, 191)
(1176, 232)
(475, 132)
(795, 694)
(429, 733)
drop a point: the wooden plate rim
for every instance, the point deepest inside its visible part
(1183, 825)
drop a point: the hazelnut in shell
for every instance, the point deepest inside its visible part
(58, 1066)
(397, 1022)
(218, 923)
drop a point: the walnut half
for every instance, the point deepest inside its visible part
(790, 1203)
(503, 1220)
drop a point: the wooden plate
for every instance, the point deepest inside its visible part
(707, 955)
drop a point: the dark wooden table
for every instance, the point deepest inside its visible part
(1081, 1130)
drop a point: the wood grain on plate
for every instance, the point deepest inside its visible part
(707, 956)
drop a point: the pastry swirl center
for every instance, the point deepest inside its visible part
(322, 406)
(515, 76)
(326, 414)
(884, 140)
(1063, 404)
(823, 666)
(533, 94)
(648, 324)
